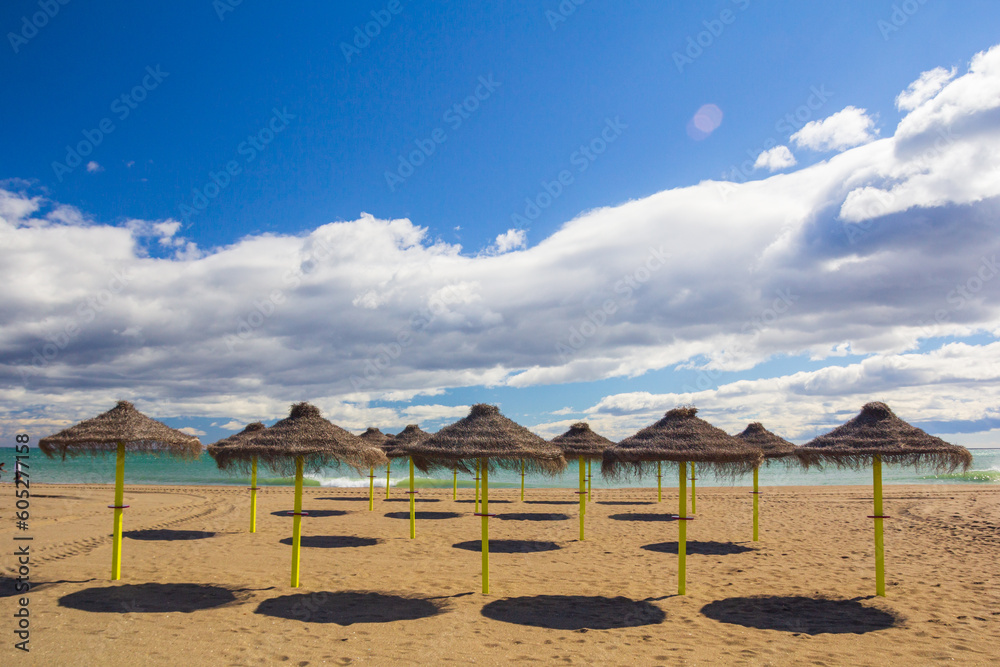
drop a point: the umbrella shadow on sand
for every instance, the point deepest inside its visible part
(810, 616)
(354, 498)
(492, 502)
(149, 598)
(423, 515)
(639, 516)
(311, 513)
(509, 546)
(167, 535)
(575, 612)
(416, 500)
(333, 541)
(700, 548)
(349, 607)
(532, 516)
(549, 502)
(624, 502)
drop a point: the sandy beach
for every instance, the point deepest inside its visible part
(197, 588)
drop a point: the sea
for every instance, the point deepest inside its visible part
(145, 468)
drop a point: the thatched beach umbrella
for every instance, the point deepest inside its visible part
(403, 442)
(120, 428)
(233, 441)
(877, 435)
(682, 437)
(581, 443)
(302, 440)
(376, 438)
(774, 447)
(494, 441)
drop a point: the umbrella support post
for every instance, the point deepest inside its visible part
(477, 486)
(682, 533)
(371, 489)
(413, 502)
(388, 469)
(522, 481)
(589, 477)
(116, 546)
(253, 495)
(297, 523)
(756, 505)
(659, 481)
(693, 505)
(583, 497)
(879, 545)
(486, 530)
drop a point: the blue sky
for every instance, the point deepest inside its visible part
(749, 168)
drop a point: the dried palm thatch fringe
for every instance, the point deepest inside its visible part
(773, 446)
(876, 430)
(122, 423)
(580, 440)
(398, 446)
(375, 437)
(680, 436)
(304, 433)
(487, 435)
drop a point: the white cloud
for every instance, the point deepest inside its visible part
(868, 252)
(847, 128)
(774, 159)
(512, 239)
(232, 425)
(93, 167)
(927, 86)
(190, 430)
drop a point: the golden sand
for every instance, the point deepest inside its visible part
(197, 588)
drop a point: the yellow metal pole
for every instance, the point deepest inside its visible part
(297, 523)
(693, 504)
(371, 489)
(388, 469)
(477, 486)
(583, 497)
(879, 546)
(522, 480)
(589, 477)
(486, 528)
(253, 495)
(116, 546)
(659, 481)
(756, 504)
(682, 533)
(454, 484)
(413, 505)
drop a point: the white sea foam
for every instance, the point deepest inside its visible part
(354, 482)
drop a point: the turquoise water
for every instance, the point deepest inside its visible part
(152, 469)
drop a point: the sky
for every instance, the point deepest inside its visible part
(575, 210)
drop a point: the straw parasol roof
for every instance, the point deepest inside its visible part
(579, 441)
(398, 446)
(876, 430)
(681, 436)
(122, 423)
(303, 433)
(487, 435)
(373, 436)
(773, 446)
